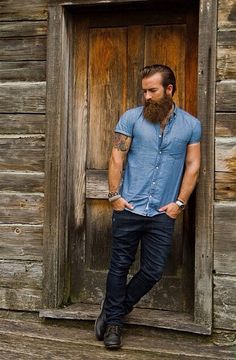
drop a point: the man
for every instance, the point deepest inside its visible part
(161, 145)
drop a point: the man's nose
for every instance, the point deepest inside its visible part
(147, 95)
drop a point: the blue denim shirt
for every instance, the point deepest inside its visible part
(155, 161)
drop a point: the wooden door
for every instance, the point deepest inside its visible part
(109, 50)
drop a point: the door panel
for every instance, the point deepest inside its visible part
(116, 49)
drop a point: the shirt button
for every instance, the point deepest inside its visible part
(150, 196)
(160, 152)
(153, 182)
(157, 167)
(159, 135)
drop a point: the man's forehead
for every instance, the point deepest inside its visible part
(152, 80)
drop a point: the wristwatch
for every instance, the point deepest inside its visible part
(180, 204)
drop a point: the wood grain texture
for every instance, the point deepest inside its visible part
(21, 242)
(20, 208)
(225, 302)
(205, 187)
(225, 154)
(22, 124)
(20, 299)
(98, 235)
(225, 186)
(135, 58)
(226, 96)
(169, 49)
(226, 14)
(31, 71)
(22, 181)
(225, 124)
(77, 147)
(226, 59)
(25, 48)
(23, 10)
(22, 97)
(225, 238)
(22, 153)
(22, 29)
(106, 101)
(226, 54)
(20, 274)
(55, 215)
(59, 341)
(96, 184)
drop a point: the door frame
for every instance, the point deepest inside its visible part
(59, 112)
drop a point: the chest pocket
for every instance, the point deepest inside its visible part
(178, 148)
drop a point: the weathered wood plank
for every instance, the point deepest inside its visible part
(225, 154)
(56, 170)
(22, 28)
(109, 44)
(226, 96)
(19, 208)
(225, 302)
(26, 48)
(205, 190)
(31, 71)
(226, 38)
(20, 299)
(225, 238)
(21, 181)
(72, 341)
(22, 242)
(226, 63)
(225, 124)
(22, 153)
(23, 10)
(20, 274)
(96, 184)
(22, 124)
(22, 97)
(225, 186)
(226, 54)
(226, 14)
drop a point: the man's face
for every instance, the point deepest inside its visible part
(158, 101)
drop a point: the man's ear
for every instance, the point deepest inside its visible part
(169, 90)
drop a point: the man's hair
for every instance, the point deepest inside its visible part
(168, 76)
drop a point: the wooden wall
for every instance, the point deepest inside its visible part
(23, 28)
(225, 170)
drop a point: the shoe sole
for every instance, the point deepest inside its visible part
(113, 347)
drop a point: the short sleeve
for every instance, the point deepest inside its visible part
(196, 133)
(125, 124)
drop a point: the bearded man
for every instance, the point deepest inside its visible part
(161, 144)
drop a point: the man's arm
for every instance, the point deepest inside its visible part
(192, 166)
(121, 145)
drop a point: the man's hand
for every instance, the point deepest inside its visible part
(171, 209)
(120, 204)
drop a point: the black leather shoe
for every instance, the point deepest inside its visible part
(112, 337)
(100, 326)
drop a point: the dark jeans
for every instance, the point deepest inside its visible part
(155, 234)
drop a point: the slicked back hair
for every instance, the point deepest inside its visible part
(168, 76)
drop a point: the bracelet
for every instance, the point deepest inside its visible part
(111, 194)
(114, 198)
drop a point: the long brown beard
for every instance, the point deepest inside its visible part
(157, 111)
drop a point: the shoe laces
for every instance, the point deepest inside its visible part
(113, 329)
